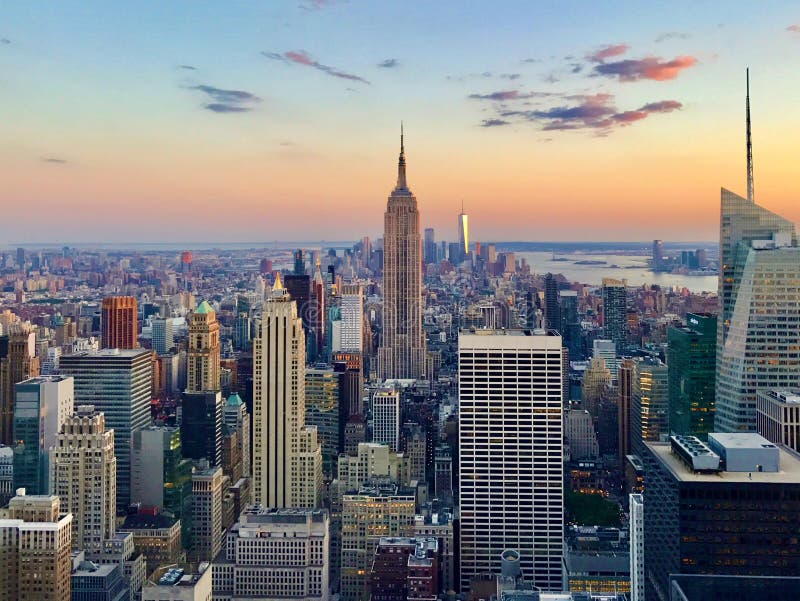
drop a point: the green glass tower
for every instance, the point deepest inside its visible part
(691, 362)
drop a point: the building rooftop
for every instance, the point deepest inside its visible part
(204, 307)
(789, 468)
(789, 397)
(141, 521)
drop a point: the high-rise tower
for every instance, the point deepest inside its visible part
(202, 369)
(118, 322)
(287, 459)
(402, 350)
(463, 231)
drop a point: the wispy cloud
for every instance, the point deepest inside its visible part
(227, 101)
(389, 63)
(5, 41)
(596, 112)
(672, 35)
(601, 54)
(494, 122)
(506, 95)
(316, 4)
(795, 29)
(531, 61)
(187, 67)
(650, 67)
(54, 160)
(510, 76)
(301, 57)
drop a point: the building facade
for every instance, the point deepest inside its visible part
(386, 417)
(118, 322)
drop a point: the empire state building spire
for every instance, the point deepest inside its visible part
(401, 164)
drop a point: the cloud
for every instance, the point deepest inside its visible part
(187, 67)
(54, 160)
(494, 122)
(596, 112)
(650, 67)
(601, 54)
(5, 41)
(506, 95)
(301, 57)
(791, 29)
(389, 63)
(509, 76)
(227, 101)
(575, 68)
(316, 4)
(672, 35)
(531, 60)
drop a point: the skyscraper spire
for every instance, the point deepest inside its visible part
(401, 165)
(750, 191)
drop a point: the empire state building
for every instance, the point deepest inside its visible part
(402, 351)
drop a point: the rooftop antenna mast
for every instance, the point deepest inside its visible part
(750, 192)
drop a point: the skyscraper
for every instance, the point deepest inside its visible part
(658, 255)
(430, 251)
(287, 459)
(118, 322)
(18, 362)
(615, 301)
(207, 514)
(402, 350)
(463, 232)
(386, 417)
(649, 403)
(162, 337)
(83, 473)
(691, 363)
(510, 453)
(352, 312)
(202, 369)
(636, 537)
(552, 310)
(117, 382)
(317, 311)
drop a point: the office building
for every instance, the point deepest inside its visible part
(626, 377)
(649, 403)
(386, 417)
(317, 314)
(257, 562)
(161, 335)
(570, 326)
(657, 262)
(118, 384)
(180, 583)
(202, 367)
(729, 507)
(83, 473)
(691, 363)
(579, 434)
(35, 545)
(607, 351)
(201, 425)
(18, 362)
(377, 509)
(298, 286)
(6, 475)
(636, 539)
(287, 459)
(207, 529)
(157, 537)
(405, 569)
(615, 299)
(236, 419)
(429, 251)
(322, 412)
(402, 350)
(119, 323)
(511, 491)
(351, 306)
(41, 406)
(778, 417)
(370, 461)
(97, 582)
(552, 310)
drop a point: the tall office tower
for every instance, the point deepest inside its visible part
(317, 312)
(236, 419)
(241, 332)
(41, 406)
(778, 417)
(160, 475)
(18, 362)
(287, 459)
(443, 473)
(580, 435)
(322, 412)
(691, 363)
(463, 232)
(402, 351)
(606, 350)
(595, 385)
(552, 311)
(615, 299)
(201, 425)
(163, 339)
(570, 327)
(207, 514)
(636, 538)
(118, 323)
(649, 403)
(35, 545)
(730, 507)
(625, 386)
(352, 312)
(511, 491)
(117, 382)
(430, 252)
(351, 385)
(658, 255)
(415, 446)
(298, 287)
(386, 417)
(299, 262)
(21, 258)
(83, 473)
(380, 508)
(202, 368)
(247, 570)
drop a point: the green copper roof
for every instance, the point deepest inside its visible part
(204, 308)
(234, 399)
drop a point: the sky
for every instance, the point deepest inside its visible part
(264, 120)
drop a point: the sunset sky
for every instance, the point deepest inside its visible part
(262, 120)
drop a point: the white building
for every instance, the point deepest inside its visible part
(778, 417)
(579, 434)
(287, 458)
(386, 417)
(352, 322)
(161, 335)
(637, 546)
(606, 350)
(510, 451)
(83, 473)
(275, 554)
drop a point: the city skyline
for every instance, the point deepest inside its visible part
(257, 112)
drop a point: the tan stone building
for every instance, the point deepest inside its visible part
(202, 369)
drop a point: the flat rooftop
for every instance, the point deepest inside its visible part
(742, 440)
(789, 468)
